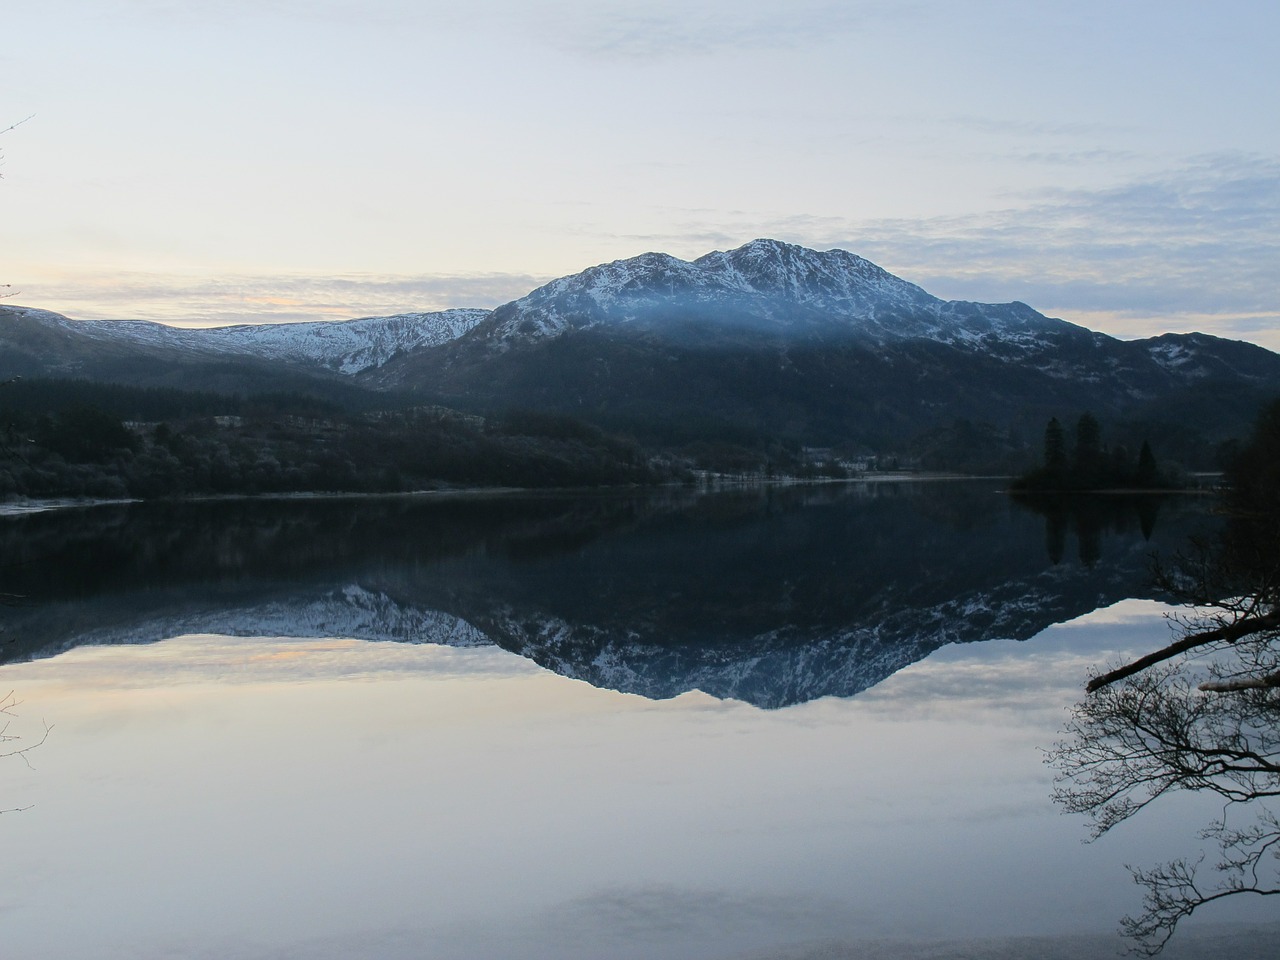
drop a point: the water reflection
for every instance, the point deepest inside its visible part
(1091, 517)
(773, 595)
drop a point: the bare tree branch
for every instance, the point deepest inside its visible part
(7, 705)
(1241, 683)
(1228, 633)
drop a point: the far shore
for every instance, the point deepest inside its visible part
(13, 508)
(706, 481)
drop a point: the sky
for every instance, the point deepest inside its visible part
(201, 163)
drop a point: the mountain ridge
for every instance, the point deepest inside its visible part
(768, 340)
(344, 346)
(769, 285)
(765, 276)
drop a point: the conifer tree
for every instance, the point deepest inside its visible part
(1148, 473)
(1055, 448)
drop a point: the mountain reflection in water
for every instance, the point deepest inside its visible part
(773, 595)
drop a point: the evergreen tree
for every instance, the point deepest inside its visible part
(1055, 448)
(1088, 451)
(1148, 473)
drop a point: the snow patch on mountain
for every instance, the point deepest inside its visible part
(766, 285)
(347, 346)
(351, 346)
(803, 276)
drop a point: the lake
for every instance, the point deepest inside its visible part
(783, 722)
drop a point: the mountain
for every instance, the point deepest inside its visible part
(42, 343)
(765, 287)
(821, 348)
(767, 342)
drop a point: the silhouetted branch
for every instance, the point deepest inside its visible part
(1228, 633)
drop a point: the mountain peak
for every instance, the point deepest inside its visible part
(775, 268)
(763, 285)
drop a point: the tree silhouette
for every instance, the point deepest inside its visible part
(1200, 714)
(1148, 474)
(1055, 448)
(1089, 466)
(1087, 456)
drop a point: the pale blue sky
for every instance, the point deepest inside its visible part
(1116, 164)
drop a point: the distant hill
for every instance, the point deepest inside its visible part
(768, 341)
(307, 357)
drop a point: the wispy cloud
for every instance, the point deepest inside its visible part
(1201, 241)
(1037, 129)
(606, 29)
(215, 301)
(665, 31)
(1068, 158)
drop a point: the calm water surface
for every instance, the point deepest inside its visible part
(789, 723)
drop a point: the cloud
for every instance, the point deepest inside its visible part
(666, 31)
(1068, 158)
(653, 30)
(1199, 242)
(1036, 129)
(215, 301)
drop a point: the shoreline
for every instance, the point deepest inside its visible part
(19, 508)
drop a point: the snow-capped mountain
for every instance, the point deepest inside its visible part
(348, 346)
(765, 285)
(819, 348)
(767, 340)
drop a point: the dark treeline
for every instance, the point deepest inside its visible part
(71, 439)
(74, 438)
(30, 398)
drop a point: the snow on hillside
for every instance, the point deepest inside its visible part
(352, 345)
(769, 284)
(806, 276)
(347, 346)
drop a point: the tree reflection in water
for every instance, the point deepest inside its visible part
(1089, 517)
(1202, 714)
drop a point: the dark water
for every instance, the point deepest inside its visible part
(771, 595)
